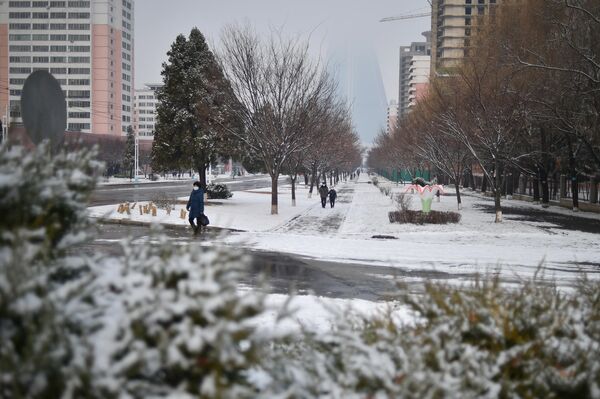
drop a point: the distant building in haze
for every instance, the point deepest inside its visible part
(145, 103)
(407, 53)
(451, 22)
(392, 116)
(88, 46)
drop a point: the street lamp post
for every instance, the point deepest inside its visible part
(136, 161)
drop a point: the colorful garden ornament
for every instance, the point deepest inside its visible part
(426, 194)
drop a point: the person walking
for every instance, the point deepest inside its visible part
(323, 192)
(332, 197)
(195, 206)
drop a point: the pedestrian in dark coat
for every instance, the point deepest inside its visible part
(195, 206)
(332, 197)
(323, 192)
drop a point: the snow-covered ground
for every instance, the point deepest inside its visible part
(318, 314)
(515, 248)
(249, 211)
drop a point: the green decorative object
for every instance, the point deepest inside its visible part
(426, 204)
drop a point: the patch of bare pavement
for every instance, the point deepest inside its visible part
(560, 221)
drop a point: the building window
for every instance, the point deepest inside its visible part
(77, 127)
(79, 115)
(79, 60)
(19, 4)
(20, 59)
(79, 15)
(79, 82)
(19, 15)
(79, 4)
(19, 37)
(20, 26)
(79, 94)
(18, 48)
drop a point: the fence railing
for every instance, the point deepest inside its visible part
(558, 187)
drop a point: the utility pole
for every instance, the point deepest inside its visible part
(136, 158)
(5, 126)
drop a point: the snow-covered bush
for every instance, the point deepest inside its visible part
(482, 341)
(218, 191)
(174, 323)
(43, 197)
(374, 180)
(42, 207)
(491, 341)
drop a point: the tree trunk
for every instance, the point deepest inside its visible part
(497, 206)
(294, 189)
(202, 180)
(306, 179)
(544, 186)
(498, 193)
(484, 184)
(574, 180)
(575, 191)
(312, 183)
(536, 189)
(543, 170)
(202, 177)
(274, 198)
(457, 187)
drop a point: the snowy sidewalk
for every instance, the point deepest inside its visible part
(322, 221)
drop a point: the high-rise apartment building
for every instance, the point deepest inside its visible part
(145, 110)
(407, 53)
(451, 22)
(418, 78)
(86, 45)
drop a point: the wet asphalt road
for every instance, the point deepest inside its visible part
(282, 274)
(114, 194)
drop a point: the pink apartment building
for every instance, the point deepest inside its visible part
(86, 45)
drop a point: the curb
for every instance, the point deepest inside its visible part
(126, 222)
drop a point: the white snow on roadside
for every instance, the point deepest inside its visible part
(248, 211)
(319, 314)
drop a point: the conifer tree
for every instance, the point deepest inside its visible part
(193, 109)
(129, 155)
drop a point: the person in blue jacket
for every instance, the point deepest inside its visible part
(195, 206)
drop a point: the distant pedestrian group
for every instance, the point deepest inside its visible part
(325, 193)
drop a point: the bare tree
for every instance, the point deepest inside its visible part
(277, 85)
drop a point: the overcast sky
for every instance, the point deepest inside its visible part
(158, 22)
